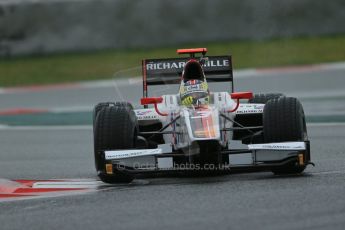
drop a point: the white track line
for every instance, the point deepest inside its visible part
(327, 172)
(69, 184)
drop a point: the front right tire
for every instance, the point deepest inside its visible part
(115, 128)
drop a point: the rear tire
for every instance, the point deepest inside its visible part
(115, 127)
(284, 121)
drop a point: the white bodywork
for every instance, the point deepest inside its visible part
(196, 124)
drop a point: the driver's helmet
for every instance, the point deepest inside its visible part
(194, 92)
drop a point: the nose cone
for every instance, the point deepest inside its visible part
(203, 123)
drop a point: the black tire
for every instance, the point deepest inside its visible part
(102, 105)
(264, 98)
(284, 120)
(115, 127)
(253, 119)
(96, 110)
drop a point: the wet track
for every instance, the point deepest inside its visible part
(314, 200)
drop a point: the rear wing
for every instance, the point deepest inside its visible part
(169, 71)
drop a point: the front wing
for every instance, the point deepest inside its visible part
(164, 162)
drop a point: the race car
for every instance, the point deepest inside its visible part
(197, 130)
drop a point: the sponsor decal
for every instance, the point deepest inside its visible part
(247, 108)
(193, 87)
(279, 146)
(165, 65)
(248, 111)
(259, 107)
(146, 114)
(120, 154)
(152, 117)
(143, 113)
(180, 64)
(217, 63)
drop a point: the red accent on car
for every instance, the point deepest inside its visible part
(151, 100)
(159, 112)
(193, 50)
(242, 95)
(236, 107)
(155, 101)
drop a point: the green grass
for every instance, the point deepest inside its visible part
(103, 64)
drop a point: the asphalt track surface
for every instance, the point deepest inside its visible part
(314, 200)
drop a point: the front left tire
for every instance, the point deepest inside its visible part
(284, 121)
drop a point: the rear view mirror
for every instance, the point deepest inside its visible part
(242, 95)
(154, 101)
(151, 100)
